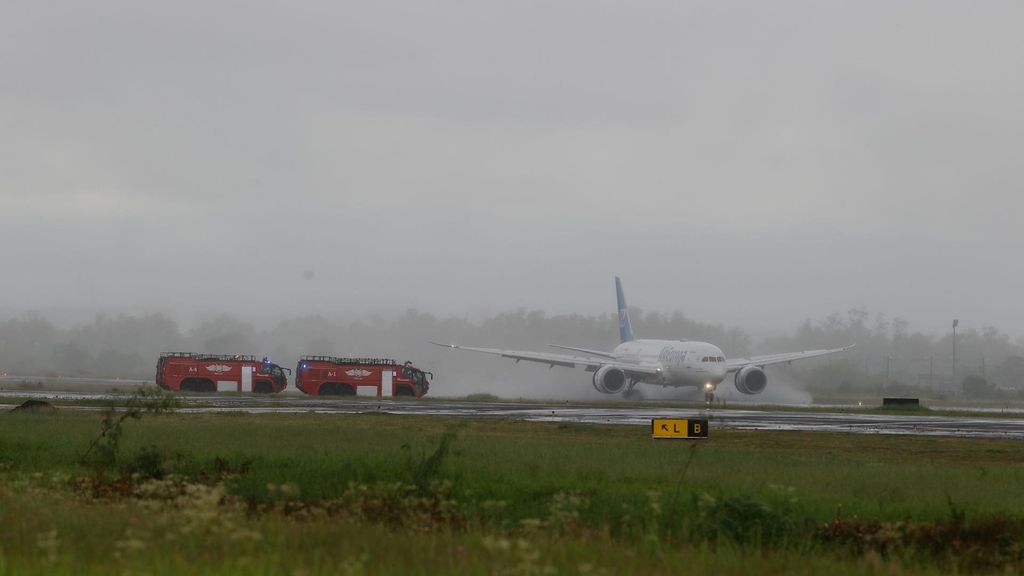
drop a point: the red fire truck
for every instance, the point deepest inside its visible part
(380, 377)
(189, 372)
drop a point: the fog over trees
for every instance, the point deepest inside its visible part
(890, 356)
(760, 162)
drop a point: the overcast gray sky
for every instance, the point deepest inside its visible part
(752, 163)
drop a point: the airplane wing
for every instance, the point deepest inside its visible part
(587, 351)
(565, 360)
(735, 364)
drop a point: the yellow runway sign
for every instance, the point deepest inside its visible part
(679, 428)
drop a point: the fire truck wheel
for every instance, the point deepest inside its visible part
(197, 385)
(263, 387)
(336, 389)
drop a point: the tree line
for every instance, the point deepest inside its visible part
(888, 351)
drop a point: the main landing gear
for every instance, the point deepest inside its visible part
(629, 393)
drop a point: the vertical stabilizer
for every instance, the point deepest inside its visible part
(625, 328)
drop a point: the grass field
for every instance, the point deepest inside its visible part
(308, 493)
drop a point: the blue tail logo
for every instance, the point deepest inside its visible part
(625, 328)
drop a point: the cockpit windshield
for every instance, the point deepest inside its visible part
(418, 377)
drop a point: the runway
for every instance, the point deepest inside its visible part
(850, 421)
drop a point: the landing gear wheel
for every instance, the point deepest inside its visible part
(631, 394)
(709, 396)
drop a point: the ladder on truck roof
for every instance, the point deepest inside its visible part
(218, 357)
(357, 361)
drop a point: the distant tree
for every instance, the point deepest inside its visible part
(119, 363)
(977, 387)
(70, 358)
(1010, 373)
(224, 335)
(320, 346)
(27, 344)
(126, 345)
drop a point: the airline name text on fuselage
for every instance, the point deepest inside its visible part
(671, 356)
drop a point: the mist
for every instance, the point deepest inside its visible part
(749, 164)
(891, 356)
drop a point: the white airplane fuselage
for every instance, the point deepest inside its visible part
(682, 363)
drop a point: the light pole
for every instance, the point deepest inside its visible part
(955, 324)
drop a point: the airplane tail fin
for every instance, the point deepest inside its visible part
(625, 328)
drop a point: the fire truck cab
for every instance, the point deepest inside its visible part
(380, 377)
(190, 372)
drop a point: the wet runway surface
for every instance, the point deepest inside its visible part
(972, 426)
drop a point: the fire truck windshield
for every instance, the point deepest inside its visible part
(419, 378)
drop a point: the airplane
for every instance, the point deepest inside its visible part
(666, 363)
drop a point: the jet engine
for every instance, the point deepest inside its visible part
(609, 380)
(751, 380)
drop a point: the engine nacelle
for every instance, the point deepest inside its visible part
(609, 380)
(751, 380)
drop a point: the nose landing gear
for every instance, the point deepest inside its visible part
(709, 393)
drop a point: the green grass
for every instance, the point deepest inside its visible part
(49, 534)
(885, 476)
(327, 493)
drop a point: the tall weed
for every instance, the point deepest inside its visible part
(102, 453)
